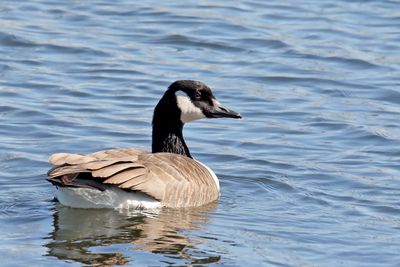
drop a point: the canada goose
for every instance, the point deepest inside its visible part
(167, 177)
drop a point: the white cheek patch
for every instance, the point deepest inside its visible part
(189, 112)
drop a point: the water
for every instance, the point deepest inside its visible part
(309, 177)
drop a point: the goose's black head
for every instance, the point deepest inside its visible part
(195, 100)
(184, 101)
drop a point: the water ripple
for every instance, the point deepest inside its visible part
(308, 177)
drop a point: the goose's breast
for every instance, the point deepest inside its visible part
(214, 176)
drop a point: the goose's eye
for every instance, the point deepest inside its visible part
(197, 95)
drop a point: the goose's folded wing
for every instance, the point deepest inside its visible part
(174, 180)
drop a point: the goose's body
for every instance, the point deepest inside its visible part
(134, 178)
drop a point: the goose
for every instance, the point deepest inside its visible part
(134, 178)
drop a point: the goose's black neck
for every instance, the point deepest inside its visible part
(167, 127)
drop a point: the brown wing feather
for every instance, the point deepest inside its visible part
(175, 180)
(114, 169)
(126, 175)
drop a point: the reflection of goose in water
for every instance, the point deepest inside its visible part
(88, 235)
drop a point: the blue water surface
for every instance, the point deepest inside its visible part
(309, 177)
